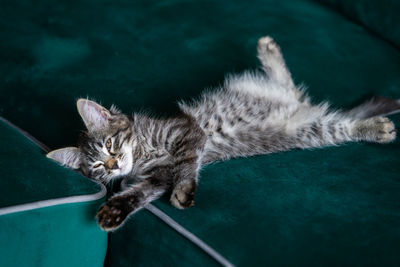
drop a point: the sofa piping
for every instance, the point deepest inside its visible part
(84, 198)
(48, 202)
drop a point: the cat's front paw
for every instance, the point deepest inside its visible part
(183, 195)
(114, 212)
(378, 129)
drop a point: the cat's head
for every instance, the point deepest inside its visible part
(104, 151)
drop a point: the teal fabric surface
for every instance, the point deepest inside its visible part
(330, 207)
(381, 17)
(149, 54)
(28, 176)
(335, 206)
(147, 241)
(63, 235)
(36, 231)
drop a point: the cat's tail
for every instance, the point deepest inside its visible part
(377, 106)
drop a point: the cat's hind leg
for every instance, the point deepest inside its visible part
(376, 129)
(273, 63)
(315, 127)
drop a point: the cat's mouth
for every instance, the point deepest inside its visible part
(125, 167)
(118, 165)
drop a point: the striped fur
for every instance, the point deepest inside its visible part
(252, 113)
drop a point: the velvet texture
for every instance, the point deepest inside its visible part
(334, 206)
(28, 176)
(381, 17)
(58, 235)
(147, 241)
(63, 235)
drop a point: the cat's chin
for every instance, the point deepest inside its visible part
(125, 170)
(116, 174)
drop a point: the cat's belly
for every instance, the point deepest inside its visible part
(245, 117)
(243, 127)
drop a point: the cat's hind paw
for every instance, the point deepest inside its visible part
(113, 213)
(183, 195)
(267, 46)
(386, 131)
(377, 129)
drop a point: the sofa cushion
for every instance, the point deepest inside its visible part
(148, 56)
(380, 17)
(148, 241)
(328, 206)
(46, 211)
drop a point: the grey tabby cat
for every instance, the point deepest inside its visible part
(253, 113)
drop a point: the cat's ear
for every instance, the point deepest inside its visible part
(69, 157)
(95, 117)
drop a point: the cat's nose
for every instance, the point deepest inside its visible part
(112, 164)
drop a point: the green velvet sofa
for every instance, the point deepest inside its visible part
(337, 206)
(46, 212)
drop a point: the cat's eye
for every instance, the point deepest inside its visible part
(108, 144)
(97, 165)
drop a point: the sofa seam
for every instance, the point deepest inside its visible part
(184, 232)
(48, 202)
(188, 235)
(92, 197)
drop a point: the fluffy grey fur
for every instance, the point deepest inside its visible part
(252, 113)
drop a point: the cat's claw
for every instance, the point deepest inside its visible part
(183, 195)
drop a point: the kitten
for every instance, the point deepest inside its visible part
(253, 113)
